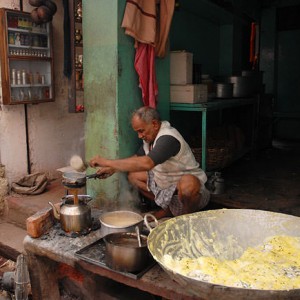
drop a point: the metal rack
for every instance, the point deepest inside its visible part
(214, 105)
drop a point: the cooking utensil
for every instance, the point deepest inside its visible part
(73, 217)
(123, 252)
(243, 86)
(76, 179)
(137, 231)
(148, 225)
(120, 221)
(224, 90)
(223, 234)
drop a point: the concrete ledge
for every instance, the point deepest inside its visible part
(11, 238)
(20, 207)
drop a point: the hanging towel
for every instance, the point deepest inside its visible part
(145, 67)
(149, 22)
(252, 59)
(142, 22)
(163, 26)
(139, 20)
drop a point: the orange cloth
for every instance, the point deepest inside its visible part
(149, 26)
(163, 26)
(252, 44)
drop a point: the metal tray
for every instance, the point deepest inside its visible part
(95, 254)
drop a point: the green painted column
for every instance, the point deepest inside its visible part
(111, 92)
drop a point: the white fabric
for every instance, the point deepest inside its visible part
(169, 172)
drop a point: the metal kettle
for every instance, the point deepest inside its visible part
(73, 217)
(216, 184)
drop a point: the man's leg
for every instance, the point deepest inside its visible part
(189, 193)
(139, 180)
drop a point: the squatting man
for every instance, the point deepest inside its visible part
(164, 169)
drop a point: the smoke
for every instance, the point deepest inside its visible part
(129, 198)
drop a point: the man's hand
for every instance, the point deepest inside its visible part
(105, 172)
(97, 161)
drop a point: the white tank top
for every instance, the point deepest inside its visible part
(169, 172)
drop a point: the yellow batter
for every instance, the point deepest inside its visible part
(275, 265)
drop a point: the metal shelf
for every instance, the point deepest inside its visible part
(217, 105)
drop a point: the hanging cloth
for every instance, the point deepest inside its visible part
(144, 64)
(163, 25)
(252, 56)
(142, 22)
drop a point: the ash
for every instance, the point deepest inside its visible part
(58, 231)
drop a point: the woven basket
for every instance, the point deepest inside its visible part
(218, 154)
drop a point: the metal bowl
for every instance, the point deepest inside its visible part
(224, 234)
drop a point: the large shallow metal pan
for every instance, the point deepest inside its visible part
(224, 233)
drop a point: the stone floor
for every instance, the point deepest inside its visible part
(268, 182)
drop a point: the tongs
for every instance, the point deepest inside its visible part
(95, 175)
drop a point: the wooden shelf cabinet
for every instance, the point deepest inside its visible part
(26, 59)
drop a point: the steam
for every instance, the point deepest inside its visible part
(77, 163)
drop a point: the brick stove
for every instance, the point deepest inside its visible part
(56, 268)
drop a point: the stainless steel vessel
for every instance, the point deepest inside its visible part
(120, 221)
(224, 90)
(223, 234)
(74, 217)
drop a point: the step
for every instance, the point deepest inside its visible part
(20, 207)
(11, 240)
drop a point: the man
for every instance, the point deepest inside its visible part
(164, 168)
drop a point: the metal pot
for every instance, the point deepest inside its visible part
(224, 90)
(123, 252)
(120, 221)
(243, 86)
(74, 217)
(223, 234)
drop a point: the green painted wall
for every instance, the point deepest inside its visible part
(201, 37)
(112, 92)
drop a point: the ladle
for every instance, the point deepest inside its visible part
(137, 230)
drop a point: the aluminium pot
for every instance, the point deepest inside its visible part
(120, 221)
(224, 90)
(243, 86)
(124, 254)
